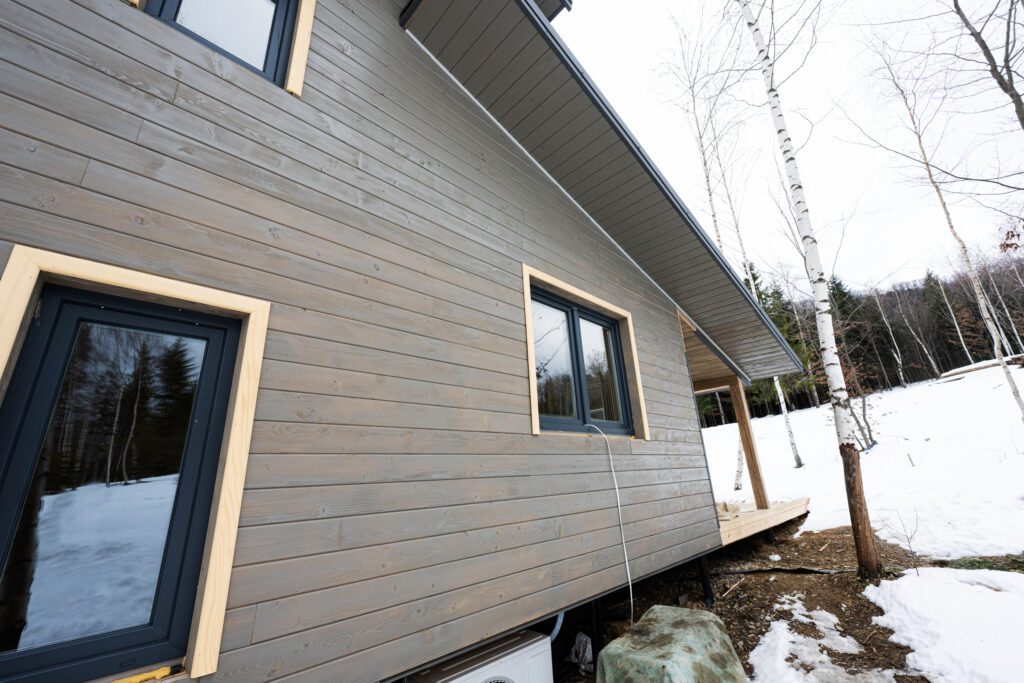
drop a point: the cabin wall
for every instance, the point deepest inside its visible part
(397, 507)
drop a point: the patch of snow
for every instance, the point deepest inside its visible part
(100, 551)
(774, 558)
(946, 478)
(964, 625)
(785, 656)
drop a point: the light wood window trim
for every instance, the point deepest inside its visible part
(300, 48)
(634, 388)
(26, 270)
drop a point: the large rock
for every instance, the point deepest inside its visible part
(672, 645)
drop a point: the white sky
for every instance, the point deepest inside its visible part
(875, 221)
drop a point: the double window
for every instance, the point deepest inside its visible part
(256, 33)
(110, 435)
(578, 367)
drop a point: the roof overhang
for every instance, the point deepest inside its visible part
(530, 82)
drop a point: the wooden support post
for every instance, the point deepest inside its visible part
(705, 579)
(739, 404)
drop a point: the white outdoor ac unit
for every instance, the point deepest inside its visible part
(524, 657)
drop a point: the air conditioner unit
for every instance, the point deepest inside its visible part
(523, 657)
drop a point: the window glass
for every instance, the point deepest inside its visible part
(602, 377)
(89, 544)
(241, 27)
(553, 354)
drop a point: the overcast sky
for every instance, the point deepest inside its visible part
(876, 222)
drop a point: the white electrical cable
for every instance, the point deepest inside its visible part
(622, 529)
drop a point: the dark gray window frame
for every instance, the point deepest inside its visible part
(35, 382)
(279, 47)
(575, 313)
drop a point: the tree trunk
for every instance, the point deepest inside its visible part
(920, 342)
(1004, 340)
(867, 556)
(881, 365)
(789, 428)
(897, 356)
(956, 323)
(1003, 80)
(1009, 318)
(863, 537)
(113, 431)
(737, 483)
(753, 292)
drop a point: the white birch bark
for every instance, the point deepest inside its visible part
(1009, 318)
(798, 463)
(956, 323)
(896, 354)
(1004, 340)
(867, 555)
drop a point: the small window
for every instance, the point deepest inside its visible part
(578, 366)
(256, 33)
(110, 436)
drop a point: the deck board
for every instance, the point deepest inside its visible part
(737, 525)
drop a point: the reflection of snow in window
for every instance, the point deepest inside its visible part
(240, 27)
(94, 524)
(100, 550)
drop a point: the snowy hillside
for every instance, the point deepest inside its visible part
(948, 467)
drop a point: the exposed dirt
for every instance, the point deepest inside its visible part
(748, 584)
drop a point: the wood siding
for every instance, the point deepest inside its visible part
(397, 507)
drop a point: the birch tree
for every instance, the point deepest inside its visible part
(956, 324)
(1006, 311)
(904, 88)
(916, 335)
(1002, 62)
(896, 354)
(704, 73)
(716, 146)
(868, 561)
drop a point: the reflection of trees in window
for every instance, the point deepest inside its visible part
(123, 408)
(555, 388)
(601, 387)
(122, 414)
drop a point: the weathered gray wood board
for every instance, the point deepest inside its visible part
(397, 508)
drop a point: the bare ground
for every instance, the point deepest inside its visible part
(747, 586)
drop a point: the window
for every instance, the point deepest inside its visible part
(256, 33)
(110, 438)
(578, 367)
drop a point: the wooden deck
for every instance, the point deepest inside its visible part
(739, 522)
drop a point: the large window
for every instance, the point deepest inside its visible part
(578, 367)
(110, 435)
(256, 33)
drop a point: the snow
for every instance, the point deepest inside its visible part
(965, 626)
(946, 478)
(100, 550)
(980, 365)
(785, 656)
